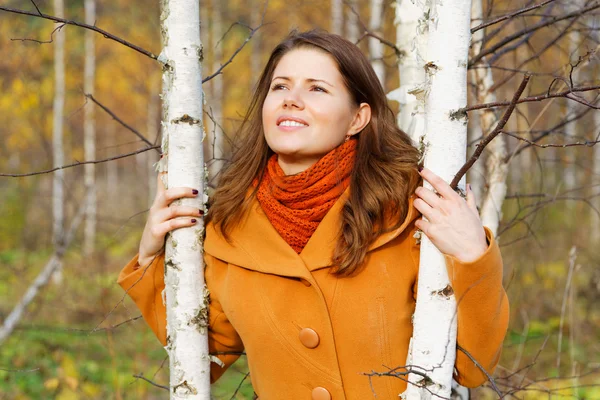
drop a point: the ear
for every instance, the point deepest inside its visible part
(361, 119)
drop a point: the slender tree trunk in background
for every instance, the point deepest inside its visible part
(112, 167)
(57, 137)
(375, 46)
(569, 168)
(255, 59)
(150, 157)
(433, 345)
(337, 16)
(596, 174)
(89, 130)
(352, 30)
(186, 293)
(216, 141)
(496, 171)
(411, 117)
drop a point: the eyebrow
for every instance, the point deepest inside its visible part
(311, 80)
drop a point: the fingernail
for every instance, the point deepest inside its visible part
(420, 168)
(201, 212)
(194, 191)
(193, 220)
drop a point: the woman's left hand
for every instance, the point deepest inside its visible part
(453, 223)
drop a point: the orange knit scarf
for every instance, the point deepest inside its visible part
(296, 204)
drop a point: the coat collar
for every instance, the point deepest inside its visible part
(256, 245)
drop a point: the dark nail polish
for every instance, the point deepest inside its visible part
(469, 186)
(420, 168)
(201, 212)
(194, 191)
(193, 220)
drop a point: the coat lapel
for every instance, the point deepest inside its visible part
(256, 245)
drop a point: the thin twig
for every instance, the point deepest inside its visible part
(492, 135)
(508, 16)
(119, 120)
(75, 164)
(81, 25)
(140, 376)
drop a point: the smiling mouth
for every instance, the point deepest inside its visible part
(291, 123)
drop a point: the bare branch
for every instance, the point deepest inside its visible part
(542, 24)
(235, 53)
(82, 163)
(463, 170)
(508, 16)
(141, 376)
(120, 121)
(81, 25)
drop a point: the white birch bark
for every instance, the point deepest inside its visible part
(569, 169)
(186, 293)
(57, 137)
(216, 140)
(337, 16)
(375, 46)
(152, 129)
(352, 30)
(411, 116)
(496, 170)
(89, 130)
(433, 345)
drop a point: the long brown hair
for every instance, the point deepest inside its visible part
(384, 174)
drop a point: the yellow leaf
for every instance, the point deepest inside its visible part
(51, 384)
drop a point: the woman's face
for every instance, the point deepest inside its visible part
(308, 110)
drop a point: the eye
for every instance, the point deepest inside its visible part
(318, 88)
(277, 86)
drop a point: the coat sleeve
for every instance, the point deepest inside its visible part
(483, 312)
(145, 287)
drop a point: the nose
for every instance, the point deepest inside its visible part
(292, 100)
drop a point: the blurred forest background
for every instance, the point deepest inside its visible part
(80, 338)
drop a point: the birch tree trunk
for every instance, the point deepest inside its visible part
(352, 30)
(375, 46)
(57, 138)
(216, 140)
(496, 171)
(89, 132)
(433, 345)
(411, 117)
(337, 16)
(186, 293)
(596, 174)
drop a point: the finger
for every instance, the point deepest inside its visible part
(162, 229)
(172, 194)
(172, 212)
(471, 201)
(425, 209)
(439, 184)
(160, 186)
(428, 196)
(423, 225)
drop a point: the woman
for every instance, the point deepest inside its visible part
(310, 254)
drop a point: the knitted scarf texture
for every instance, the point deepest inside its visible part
(296, 204)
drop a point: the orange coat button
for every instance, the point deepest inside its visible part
(320, 393)
(309, 338)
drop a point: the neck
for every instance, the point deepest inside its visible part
(293, 166)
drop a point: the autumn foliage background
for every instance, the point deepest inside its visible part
(72, 342)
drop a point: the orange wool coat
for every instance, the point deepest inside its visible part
(308, 334)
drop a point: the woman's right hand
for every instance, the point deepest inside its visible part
(162, 219)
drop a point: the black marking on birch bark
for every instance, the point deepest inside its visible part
(459, 115)
(423, 145)
(169, 263)
(424, 382)
(201, 318)
(184, 388)
(201, 54)
(185, 119)
(431, 67)
(445, 292)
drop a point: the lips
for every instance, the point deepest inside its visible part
(290, 118)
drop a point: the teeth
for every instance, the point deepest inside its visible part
(291, 123)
